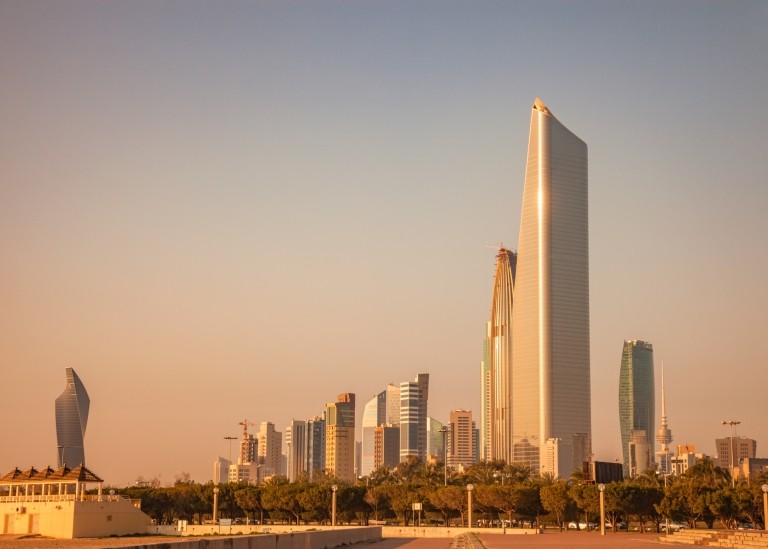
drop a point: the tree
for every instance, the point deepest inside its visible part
(587, 498)
(502, 499)
(723, 504)
(316, 501)
(375, 496)
(556, 500)
(749, 498)
(283, 497)
(401, 498)
(444, 500)
(248, 499)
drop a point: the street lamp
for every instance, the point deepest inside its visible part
(230, 439)
(215, 504)
(765, 507)
(333, 505)
(601, 487)
(470, 487)
(731, 451)
(444, 430)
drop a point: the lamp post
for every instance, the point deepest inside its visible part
(444, 430)
(732, 423)
(333, 505)
(215, 505)
(230, 439)
(765, 507)
(601, 487)
(470, 487)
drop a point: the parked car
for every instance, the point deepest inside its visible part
(746, 526)
(619, 525)
(673, 526)
(582, 526)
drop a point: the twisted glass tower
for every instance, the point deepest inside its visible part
(550, 385)
(637, 403)
(71, 420)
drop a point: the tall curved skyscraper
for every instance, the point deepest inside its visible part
(637, 402)
(550, 318)
(500, 357)
(71, 420)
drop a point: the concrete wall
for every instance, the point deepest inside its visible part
(321, 539)
(117, 517)
(68, 518)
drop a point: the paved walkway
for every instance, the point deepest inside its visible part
(567, 540)
(549, 540)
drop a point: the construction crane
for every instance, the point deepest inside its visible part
(245, 423)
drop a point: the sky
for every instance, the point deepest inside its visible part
(218, 211)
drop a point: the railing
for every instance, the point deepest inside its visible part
(21, 498)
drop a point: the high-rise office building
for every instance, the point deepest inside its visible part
(460, 440)
(71, 420)
(340, 437)
(435, 444)
(738, 447)
(315, 448)
(499, 344)
(485, 397)
(637, 403)
(270, 448)
(296, 441)
(221, 471)
(550, 385)
(382, 409)
(413, 418)
(386, 446)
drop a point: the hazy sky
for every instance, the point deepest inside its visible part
(225, 210)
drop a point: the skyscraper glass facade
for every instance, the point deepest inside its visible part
(637, 403)
(71, 420)
(550, 385)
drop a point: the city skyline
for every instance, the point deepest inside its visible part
(222, 211)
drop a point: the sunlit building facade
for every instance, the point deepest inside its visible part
(499, 345)
(382, 409)
(72, 408)
(550, 385)
(637, 403)
(461, 450)
(486, 427)
(414, 396)
(270, 448)
(340, 437)
(296, 443)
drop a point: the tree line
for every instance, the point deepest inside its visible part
(503, 494)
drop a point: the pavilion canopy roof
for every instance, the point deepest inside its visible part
(63, 474)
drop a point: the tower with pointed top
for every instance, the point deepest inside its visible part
(498, 346)
(550, 373)
(664, 434)
(71, 420)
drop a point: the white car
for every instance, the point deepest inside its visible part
(582, 526)
(673, 526)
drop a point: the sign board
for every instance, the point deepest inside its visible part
(416, 506)
(182, 526)
(225, 522)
